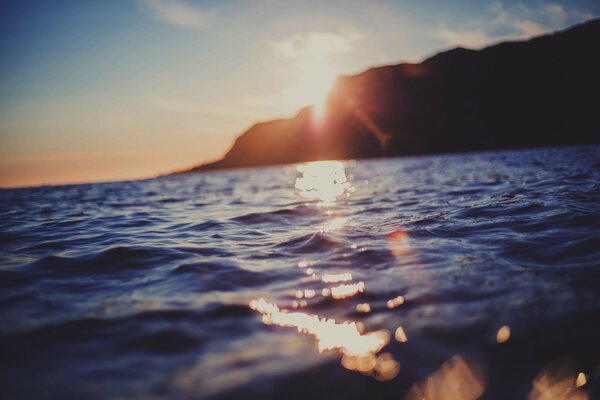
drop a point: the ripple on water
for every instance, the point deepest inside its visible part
(115, 260)
(407, 271)
(283, 216)
(221, 275)
(310, 243)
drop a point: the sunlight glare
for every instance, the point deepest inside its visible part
(345, 337)
(333, 278)
(348, 290)
(395, 302)
(334, 224)
(314, 75)
(322, 180)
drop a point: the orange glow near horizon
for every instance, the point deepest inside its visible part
(108, 162)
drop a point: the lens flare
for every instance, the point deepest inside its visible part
(400, 335)
(399, 243)
(503, 334)
(559, 380)
(581, 380)
(386, 367)
(456, 379)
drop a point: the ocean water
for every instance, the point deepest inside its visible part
(443, 277)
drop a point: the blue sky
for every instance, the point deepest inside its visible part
(106, 90)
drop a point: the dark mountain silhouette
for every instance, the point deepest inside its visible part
(541, 92)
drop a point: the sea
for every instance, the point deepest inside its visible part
(457, 276)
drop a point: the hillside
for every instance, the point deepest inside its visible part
(541, 92)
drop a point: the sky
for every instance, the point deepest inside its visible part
(124, 89)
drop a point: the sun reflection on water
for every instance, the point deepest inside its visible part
(347, 290)
(363, 308)
(326, 181)
(395, 302)
(322, 180)
(359, 350)
(333, 278)
(335, 224)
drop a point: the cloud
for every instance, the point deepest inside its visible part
(518, 22)
(176, 12)
(315, 44)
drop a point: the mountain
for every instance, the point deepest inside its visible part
(540, 92)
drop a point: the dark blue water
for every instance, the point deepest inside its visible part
(454, 277)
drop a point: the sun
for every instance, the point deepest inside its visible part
(314, 70)
(314, 82)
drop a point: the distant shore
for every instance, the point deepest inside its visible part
(501, 97)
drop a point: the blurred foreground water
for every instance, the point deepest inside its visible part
(444, 277)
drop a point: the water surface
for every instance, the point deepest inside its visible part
(453, 276)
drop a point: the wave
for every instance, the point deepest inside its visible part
(286, 215)
(114, 260)
(310, 243)
(142, 289)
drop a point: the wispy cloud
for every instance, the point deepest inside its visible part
(315, 44)
(517, 22)
(178, 13)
